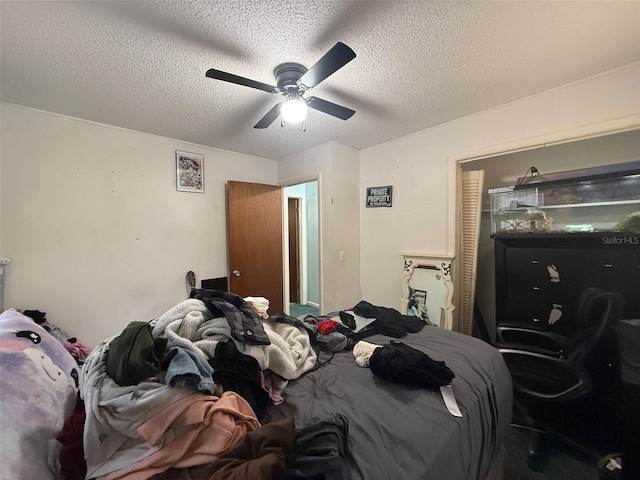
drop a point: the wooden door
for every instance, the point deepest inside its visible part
(294, 250)
(254, 235)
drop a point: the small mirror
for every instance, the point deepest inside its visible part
(427, 289)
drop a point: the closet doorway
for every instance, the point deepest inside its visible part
(303, 258)
(505, 168)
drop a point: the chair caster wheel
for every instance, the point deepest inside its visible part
(534, 462)
(535, 459)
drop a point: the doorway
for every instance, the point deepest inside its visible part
(303, 259)
(504, 168)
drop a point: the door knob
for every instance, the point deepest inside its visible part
(236, 273)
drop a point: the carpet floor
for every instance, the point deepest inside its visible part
(559, 461)
(295, 310)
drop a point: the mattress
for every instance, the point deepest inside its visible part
(396, 431)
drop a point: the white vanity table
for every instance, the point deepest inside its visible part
(427, 288)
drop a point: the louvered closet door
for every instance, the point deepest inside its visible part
(469, 231)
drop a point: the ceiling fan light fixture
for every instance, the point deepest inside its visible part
(293, 80)
(294, 110)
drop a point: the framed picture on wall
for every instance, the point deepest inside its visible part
(189, 172)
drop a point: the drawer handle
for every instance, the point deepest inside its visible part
(536, 288)
(608, 265)
(536, 320)
(535, 262)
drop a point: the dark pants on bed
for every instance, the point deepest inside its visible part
(319, 450)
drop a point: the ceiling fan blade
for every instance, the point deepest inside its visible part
(331, 108)
(270, 116)
(247, 82)
(332, 61)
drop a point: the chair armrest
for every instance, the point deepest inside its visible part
(545, 377)
(518, 338)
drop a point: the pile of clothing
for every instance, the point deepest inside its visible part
(400, 363)
(78, 350)
(182, 396)
(338, 331)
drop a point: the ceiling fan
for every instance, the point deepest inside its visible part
(292, 81)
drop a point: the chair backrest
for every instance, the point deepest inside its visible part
(598, 310)
(595, 345)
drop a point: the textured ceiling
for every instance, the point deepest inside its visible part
(141, 65)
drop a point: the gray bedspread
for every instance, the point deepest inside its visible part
(397, 432)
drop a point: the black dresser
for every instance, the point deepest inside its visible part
(539, 276)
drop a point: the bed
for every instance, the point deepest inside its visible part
(400, 432)
(386, 429)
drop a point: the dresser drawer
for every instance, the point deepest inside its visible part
(534, 272)
(531, 262)
(587, 267)
(536, 316)
(525, 290)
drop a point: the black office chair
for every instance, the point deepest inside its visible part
(565, 386)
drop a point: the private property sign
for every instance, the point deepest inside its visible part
(379, 196)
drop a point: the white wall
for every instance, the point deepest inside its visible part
(96, 232)
(98, 236)
(1, 182)
(337, 169)
(422, 218)
(343, 277)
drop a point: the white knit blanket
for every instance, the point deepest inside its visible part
(289, 354)
(190, 325)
